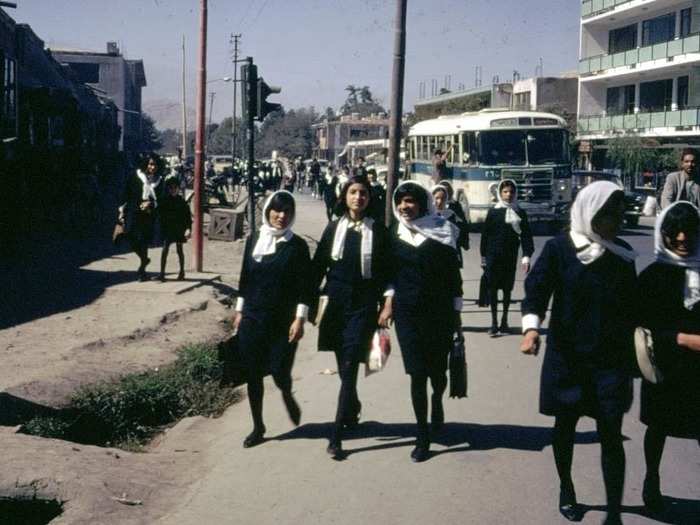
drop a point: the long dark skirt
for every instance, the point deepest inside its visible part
(425, 338)
(347, 331)
(265, 348)
(500, 272)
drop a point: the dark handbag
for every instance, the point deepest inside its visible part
(458, 369)
(119, 232)
(484, 299)
(233, 369)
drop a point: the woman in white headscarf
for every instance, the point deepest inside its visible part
(670, 306)
(505, 230)
(426, 302)
(352, 257)
(274, 294)
(586, 371)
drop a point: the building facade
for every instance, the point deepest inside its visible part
(119, 79)
(639, 73)
(333, 135)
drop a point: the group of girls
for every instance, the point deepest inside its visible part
(370, 277)
(410, 274)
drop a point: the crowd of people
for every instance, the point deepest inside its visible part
(409, 275)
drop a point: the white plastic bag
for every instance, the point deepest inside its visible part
(379, 351)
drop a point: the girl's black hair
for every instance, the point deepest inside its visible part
(341, 206)
(160, 164)
(505, 184)
(416, 192)
(450, 189)
(281, 201)
(682, 217)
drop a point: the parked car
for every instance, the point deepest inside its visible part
(634, 200)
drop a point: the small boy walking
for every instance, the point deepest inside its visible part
(175, 223)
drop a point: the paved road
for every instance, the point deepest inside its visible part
(492, 464)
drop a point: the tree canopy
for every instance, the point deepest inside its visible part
(360, 100)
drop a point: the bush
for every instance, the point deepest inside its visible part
(134, 408)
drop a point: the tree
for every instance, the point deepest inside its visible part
(360, 100)
(634, 155)
(288, 132)
(150, 136)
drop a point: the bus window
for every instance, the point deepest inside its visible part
(469, 150)
(505, 147)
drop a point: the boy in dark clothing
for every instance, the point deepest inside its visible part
(175, 224)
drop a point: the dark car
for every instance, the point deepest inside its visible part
(634, 201)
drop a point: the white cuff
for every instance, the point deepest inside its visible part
(525, 260)
(302, 311)
(458, 302)
(239, 304)
(389, 292)
(531, 322)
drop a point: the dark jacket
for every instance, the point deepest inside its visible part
(589, 356)
(175, 218)
(500, 245)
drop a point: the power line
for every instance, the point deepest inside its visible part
(245, 13)
(259, 12)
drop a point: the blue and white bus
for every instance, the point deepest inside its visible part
(485, 147)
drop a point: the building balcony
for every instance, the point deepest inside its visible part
(680, 122)
(591, 8)
(663, 51)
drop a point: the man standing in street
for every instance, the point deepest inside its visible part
(683, 185)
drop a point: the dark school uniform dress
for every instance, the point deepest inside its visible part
(272, 289)
(589, 355)
(140, 223)
(350, 318)
(499, 247)
(175, 218)
(673, 405)
(460, 220)
(426, 280)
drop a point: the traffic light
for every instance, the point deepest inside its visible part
(249, 75)
(264, 107)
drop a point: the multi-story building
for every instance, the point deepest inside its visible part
(121, 80)
(639, 73)
(333, 135)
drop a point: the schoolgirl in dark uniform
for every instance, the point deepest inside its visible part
(460, 218)
(670, 299)
(138, 211)
(426, 302)
(175, 223)
(330, 192)
(353, 257)
(505, 230)
(272, 307)
(441, 193)
(586, 366)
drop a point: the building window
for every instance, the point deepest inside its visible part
(87, 73)
(659, 29)
(656, 96)
(686, 19)
(622, 39)
(620, 100)
(682, 95)
(523, 100)
(8, 97)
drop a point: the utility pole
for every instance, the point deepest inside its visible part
(184, 105)
(249, 76)
(211, 109)
(397, 81)
(197, 238)
(234, 131)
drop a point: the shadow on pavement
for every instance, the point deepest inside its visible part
(677, 511)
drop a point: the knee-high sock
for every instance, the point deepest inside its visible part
(164, 257)
(506, 305)
(347, 397)
(612, 460)
(419, 397)
(256, 390)
(654, 441)
(563, 448)
(493, 299)
(180, 256)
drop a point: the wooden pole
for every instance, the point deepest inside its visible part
(197, 236)
(184, 105)
(397, 81)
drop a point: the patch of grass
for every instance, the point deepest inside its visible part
(130, 411)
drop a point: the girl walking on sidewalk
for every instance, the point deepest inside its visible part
(272, 307)
(175, 223)
(352, 257)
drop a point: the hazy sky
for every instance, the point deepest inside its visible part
(314, 48)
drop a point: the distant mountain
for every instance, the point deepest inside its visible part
(167, 113)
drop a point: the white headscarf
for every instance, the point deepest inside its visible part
(365, 228)
(430, 225)
(149, 187)
(269, 235)
(691, 263)
(512, 216)
(591, 246)
(446, 213)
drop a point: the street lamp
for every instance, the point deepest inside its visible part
(222, 79)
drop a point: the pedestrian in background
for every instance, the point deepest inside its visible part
(330, 192)
(505, 231)
(586, 370)
(378, 200)
(138, 209)
(360, 170)
(670, 306)
(441, 198)
(352, 257)
(175, 224)
(683, 185)
(426, 302)
(272, 307)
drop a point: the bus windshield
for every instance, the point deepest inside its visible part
(520, 147)
(502, 147)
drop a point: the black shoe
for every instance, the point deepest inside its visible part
(161, 277)
(143, 277)
(651, 495)
(292, 408)
(568, 507)
(421, 452)
(504, 328)
(254, 438)
(335, 448)
(181, 276)
(437, 414)
(351, 422)
(493, 331)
